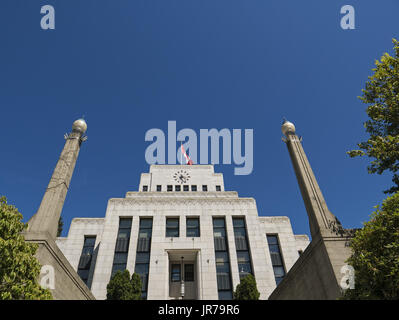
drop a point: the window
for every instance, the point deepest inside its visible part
(145, 232)
(170, 188)
(177, 188)
(204, 188)
(193, 188)
(122, 245)
(159, 188)
(86, 257)
(188, 272)
(218, 188)
(219, 234)
(192, 227)
(143, 253)
(172, 227)
(244, 263)
(277, 259)
(225, 295)
(242, 248)
(175, 273)
(145, 188)
(185, 188)
(223, 273)
(88, 245)
(222, 262)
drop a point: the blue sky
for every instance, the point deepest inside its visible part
(130, 66)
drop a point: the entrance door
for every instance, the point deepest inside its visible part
(179, 274)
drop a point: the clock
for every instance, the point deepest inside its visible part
(181, 176)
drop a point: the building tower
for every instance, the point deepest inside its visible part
(317, 273)
(57, 274)
(46, 218)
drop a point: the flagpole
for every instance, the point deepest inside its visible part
(181, 153)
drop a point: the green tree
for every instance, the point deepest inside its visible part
(382, 96)
(60, 226)
(247, 289)
(19, 269)
(375, 256)
(122, 287)
(136, 284)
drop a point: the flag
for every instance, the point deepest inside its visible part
(188, 160)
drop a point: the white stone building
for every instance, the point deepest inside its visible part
(182, 227)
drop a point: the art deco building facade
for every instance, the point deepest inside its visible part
(185, 236)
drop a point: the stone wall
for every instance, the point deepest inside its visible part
(67, 283)
(316, 274)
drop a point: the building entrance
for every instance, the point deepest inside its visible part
(183, 275)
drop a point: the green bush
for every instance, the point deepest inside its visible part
(247, 289)
(19, 269)
(375, 255)
(122, 287)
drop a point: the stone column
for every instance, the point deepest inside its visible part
(42, 227)
(46, 218)
(321, 220)
(317, 272)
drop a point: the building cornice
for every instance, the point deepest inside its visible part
(182, 194)
(186, 201)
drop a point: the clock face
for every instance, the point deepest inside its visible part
(181, 176)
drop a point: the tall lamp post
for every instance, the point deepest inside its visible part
(182, 279)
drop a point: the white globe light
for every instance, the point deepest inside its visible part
(287, 128)
(79, 125)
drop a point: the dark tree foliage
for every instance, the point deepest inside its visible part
(247, 289)
(136, 284)
(60, 227)
(382, 97)
(19, 269)
(122, 287)
(375, 256)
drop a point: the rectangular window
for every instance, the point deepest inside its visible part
(218, 188)
(188, 272)
(142, 267)
(185, 188)
(170, 187)
(219, 234)
(177, 188)
(159, 188)
(86, 257)
(193, 188)
(225, 295)
(192, 227)
(172, 227)
(176, 273)
(122, 245)
(145, 188)
(204, 188)
(223, 273)
(276, 257)
(242, 248)
(145, 232)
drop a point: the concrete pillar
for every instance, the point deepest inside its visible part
(46, 218)
(317, 272)
(321, 220)
(43, 226)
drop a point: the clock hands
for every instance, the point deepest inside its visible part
(181, 176)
